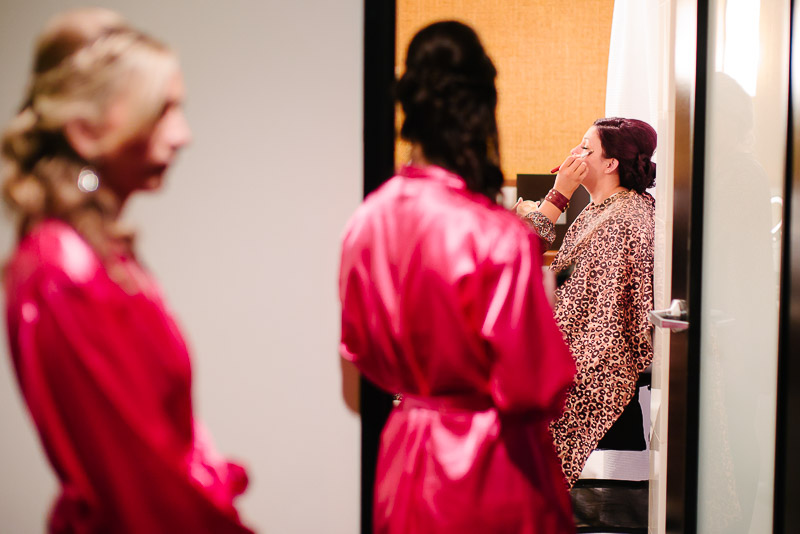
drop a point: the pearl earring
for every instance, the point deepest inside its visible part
(88, 180)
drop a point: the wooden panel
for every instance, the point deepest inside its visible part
(551, 58)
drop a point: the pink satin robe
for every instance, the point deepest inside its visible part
(442, 301)
(106, 375)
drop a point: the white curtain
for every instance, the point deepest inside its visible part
(632, 86)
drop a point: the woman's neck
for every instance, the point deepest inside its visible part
(112, 189)
(418, 158)
(602, 190)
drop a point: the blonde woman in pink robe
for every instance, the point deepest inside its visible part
(100, 361)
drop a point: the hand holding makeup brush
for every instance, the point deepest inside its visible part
(570, 175)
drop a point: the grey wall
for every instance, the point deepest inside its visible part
(244, 239)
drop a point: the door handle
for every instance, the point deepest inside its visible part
(675, 317)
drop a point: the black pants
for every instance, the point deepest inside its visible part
(619, 506)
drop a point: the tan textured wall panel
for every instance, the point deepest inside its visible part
(551, 57)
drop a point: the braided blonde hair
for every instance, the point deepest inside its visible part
(85, 61)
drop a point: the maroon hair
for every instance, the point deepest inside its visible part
(632, 143)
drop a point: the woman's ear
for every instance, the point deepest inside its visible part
(84, 137)
(611, 166)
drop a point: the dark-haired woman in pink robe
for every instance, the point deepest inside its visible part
(442, 300)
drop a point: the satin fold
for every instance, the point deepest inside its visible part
(442, 300)
(106, 375)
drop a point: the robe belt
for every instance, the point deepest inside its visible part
(470, 402)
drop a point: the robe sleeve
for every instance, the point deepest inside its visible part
(365, 317)
(532, 368)
(114, 446)
(543, 227)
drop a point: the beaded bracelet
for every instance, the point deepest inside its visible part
(557, 199)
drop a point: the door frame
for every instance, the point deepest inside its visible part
(786, 514)
(691, 20)
(379, 44)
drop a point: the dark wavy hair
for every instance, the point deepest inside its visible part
(449, 98)
(631, 142)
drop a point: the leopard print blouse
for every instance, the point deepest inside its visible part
(602, 311)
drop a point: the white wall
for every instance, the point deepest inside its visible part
(244, 239)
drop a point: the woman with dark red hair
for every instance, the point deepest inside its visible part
(602, 308)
